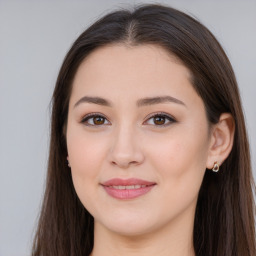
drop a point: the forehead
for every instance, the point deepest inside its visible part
(123, 64)
(124, 74)
(132, 52)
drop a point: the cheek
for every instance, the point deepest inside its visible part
(181, 158)
(86, 156)
(85, 152)
(180, 165)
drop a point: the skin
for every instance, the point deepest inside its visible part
(127, 142)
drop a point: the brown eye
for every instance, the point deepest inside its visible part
(159, 120)
(94, 120)
(98, 120)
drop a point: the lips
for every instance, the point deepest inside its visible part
(128, 188)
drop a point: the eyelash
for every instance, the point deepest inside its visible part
(90, 116)
(167, 117)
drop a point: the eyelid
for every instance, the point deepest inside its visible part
(91, 115)
(163, 114)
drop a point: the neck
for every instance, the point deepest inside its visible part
(175, 239)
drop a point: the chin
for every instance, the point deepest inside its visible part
(131, 226)
(130, 231)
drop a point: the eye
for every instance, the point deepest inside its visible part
(160, 119)
(95, 120)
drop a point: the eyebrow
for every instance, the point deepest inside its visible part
(140, 102)
(94, 100)
(158, 100)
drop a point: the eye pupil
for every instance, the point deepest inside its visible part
(159, 120)
(98, 120)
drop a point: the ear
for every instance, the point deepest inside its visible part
(221, 141)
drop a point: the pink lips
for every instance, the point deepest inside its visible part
(127, 189)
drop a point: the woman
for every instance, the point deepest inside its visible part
(149, 152)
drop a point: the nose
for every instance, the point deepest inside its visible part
(126, 148)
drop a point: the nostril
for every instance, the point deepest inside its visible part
(124, 164)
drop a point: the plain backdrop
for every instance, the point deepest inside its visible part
(34, 37)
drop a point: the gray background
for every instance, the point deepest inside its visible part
(34, 37)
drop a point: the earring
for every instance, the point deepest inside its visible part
(68, 163)
(215, 167)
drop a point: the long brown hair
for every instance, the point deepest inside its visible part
(224, 220)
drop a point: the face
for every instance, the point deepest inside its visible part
(137, 139)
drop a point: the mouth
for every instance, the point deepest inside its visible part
(127, 189)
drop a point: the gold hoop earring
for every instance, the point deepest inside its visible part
(215, 167)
